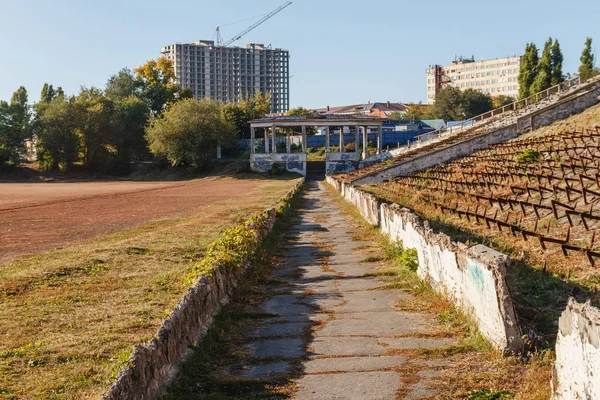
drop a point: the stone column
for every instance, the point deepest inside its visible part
(379, 139)
(326, 139)
(341, 139)
(273, 136)
(288, 141)
(304, 144)
(267, 147)
(357, 140)
(365, 142)
(252, 140)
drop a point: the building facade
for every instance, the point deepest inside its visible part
(494, 77)
(229, 74)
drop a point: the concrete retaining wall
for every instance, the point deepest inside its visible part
(473, 276)
(440, 156)
(574, 103)
(154, 366)
(577, 366)
(290, 162)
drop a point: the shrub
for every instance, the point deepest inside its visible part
(529, 155)
(350, 147)
(276, 170)
(406, 258)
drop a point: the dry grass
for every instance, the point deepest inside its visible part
(69, 318)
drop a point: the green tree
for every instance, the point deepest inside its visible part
(47, 93)
(303, 112)
(447, 104)
(128, 124)
(122, 84)
(188, 133)
(528, 70)
(93, 114)
(472, 103)
(543, 77)
(557, 62)
(240, 114)
(15, 126)
(58, 143)
(587, 69)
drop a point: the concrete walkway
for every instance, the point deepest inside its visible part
(335, 326)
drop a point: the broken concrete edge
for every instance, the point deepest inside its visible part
(474, 277)
(150, 368)
(576, 372)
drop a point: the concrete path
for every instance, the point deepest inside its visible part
(335, 326)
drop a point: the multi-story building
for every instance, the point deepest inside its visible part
(229, 74)
(495, 77)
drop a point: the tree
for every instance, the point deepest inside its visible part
(240, 114)
(501, 101)
(93, 114)
(303, 112)
(128, 124)
(58, 143)
(473, 102)
(15, 126)
(417, 112)
(557, 62)
(122, 84)
(543, 77)
(452, 104)
(156, 79)
(188, 133)
(47, 93)
(528, 70)
(587, 69)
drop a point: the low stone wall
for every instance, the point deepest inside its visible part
(577, 365)
(473, 276)
(152, 367)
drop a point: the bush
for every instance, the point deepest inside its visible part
(406, 258)
(350, 147)
(487, 394)
(189, 132)
(529, 155)
(277, 170)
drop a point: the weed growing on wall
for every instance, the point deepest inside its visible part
(236, 245)
(406, 258)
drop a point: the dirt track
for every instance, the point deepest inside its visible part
(45, 216)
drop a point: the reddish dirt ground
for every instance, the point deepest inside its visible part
(37, 217)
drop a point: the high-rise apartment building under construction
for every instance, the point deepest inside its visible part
(229, 74)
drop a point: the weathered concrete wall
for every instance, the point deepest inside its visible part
(337, 163)
(577, 365)
(473, 276)
(441, 156)
(365, 202)
(152, 367)
(291, 162)
(565, 108)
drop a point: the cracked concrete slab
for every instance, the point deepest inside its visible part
(351, 364)
(353, 385)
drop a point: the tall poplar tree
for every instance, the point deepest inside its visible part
(557, 62)
(543, 77)
(528, 70)
(587, 69)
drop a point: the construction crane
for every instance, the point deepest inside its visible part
(250, 28)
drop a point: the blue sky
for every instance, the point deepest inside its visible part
(342, 51)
